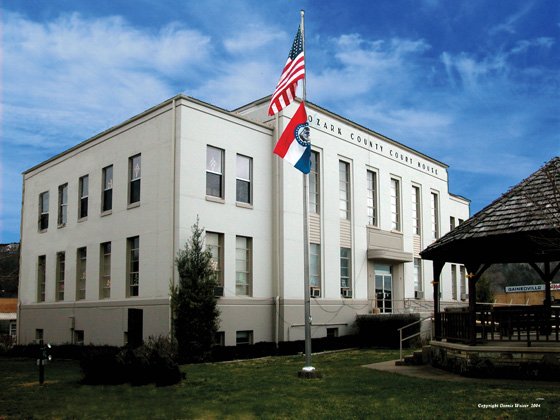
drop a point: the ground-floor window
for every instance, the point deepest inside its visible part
(243, 337)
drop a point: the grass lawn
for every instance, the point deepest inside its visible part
(269, 388)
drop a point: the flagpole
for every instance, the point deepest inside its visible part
(308, 369)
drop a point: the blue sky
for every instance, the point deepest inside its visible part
(475, 84)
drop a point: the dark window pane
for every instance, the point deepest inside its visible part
(243, 191)
(135, 191)
(107, 200)
(213, 184)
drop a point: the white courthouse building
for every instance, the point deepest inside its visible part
(103, 221)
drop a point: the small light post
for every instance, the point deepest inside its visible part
(44, 357)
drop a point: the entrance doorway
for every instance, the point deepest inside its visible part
(384, 288)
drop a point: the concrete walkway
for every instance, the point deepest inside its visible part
(432, 373)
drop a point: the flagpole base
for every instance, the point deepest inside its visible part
(309, 372)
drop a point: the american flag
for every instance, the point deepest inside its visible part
(294, 70)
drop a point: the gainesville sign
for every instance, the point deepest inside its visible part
(531, 288)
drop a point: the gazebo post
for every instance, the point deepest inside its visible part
(472, 307)
(438, 267)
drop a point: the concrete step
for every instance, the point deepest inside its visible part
(417, 358)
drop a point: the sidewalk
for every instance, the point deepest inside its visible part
(432, 373)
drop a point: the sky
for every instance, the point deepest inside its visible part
(474, 84)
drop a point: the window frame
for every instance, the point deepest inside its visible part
(81, 273)
(133, 267)
(217, 251)
(315, 183)
(396, 219)
(134, 179)
(43, 211)
(62, 205)
(244, 181)
(348, 266)
(60, 275)
(248, 270)
(83, 197)
(210, 173)
(105, 270)
(372, 194)
(41, 278)
(344, 187)
(107, 186)
(434, 213)
(416, 210)
(315, 276)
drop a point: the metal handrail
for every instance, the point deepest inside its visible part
(401, 339)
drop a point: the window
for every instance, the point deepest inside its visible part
(435, 216)
(243, 251)
(463, 281)
(332, 332)
(13, 329)
(416, 223)
(315, 184)
(345, 272)
(60, 266)
(460, 221)
(62, 204)
(395, 204)
(215, 243)
(81, 263)
(41, 278)
(133, 274)
(105, 271)
(39, 335)
(107, 182)
(315, 270)
(214, 172)
(220, 338)
(372, 198)
(418, 281)
(44, 211)
(451, 223)
(243, 337)
(79, 337)
(453, 281)
(244, 179)
(84, 193)
(344, 189)
(134, 176)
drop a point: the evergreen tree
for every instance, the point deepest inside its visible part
(194, 305)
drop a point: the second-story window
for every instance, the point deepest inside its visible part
(435, 216)
(60, 275)
(134, 174)
(44, 211)
(107, 184)
(315, 183)
(344, 189)
(84, 194)
(133, 274)
(395, 204)
(372, 198)
(214, 172)
(62, 205)
(244, 179)
(416, 223)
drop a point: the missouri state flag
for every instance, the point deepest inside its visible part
(293, 145)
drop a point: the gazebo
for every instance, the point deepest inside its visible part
(522, 226)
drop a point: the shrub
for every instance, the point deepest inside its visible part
(382, 330)
(100, 366)
(153, 362)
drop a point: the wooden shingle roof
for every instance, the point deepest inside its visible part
(523, 225)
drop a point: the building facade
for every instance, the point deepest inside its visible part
(103, 222)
